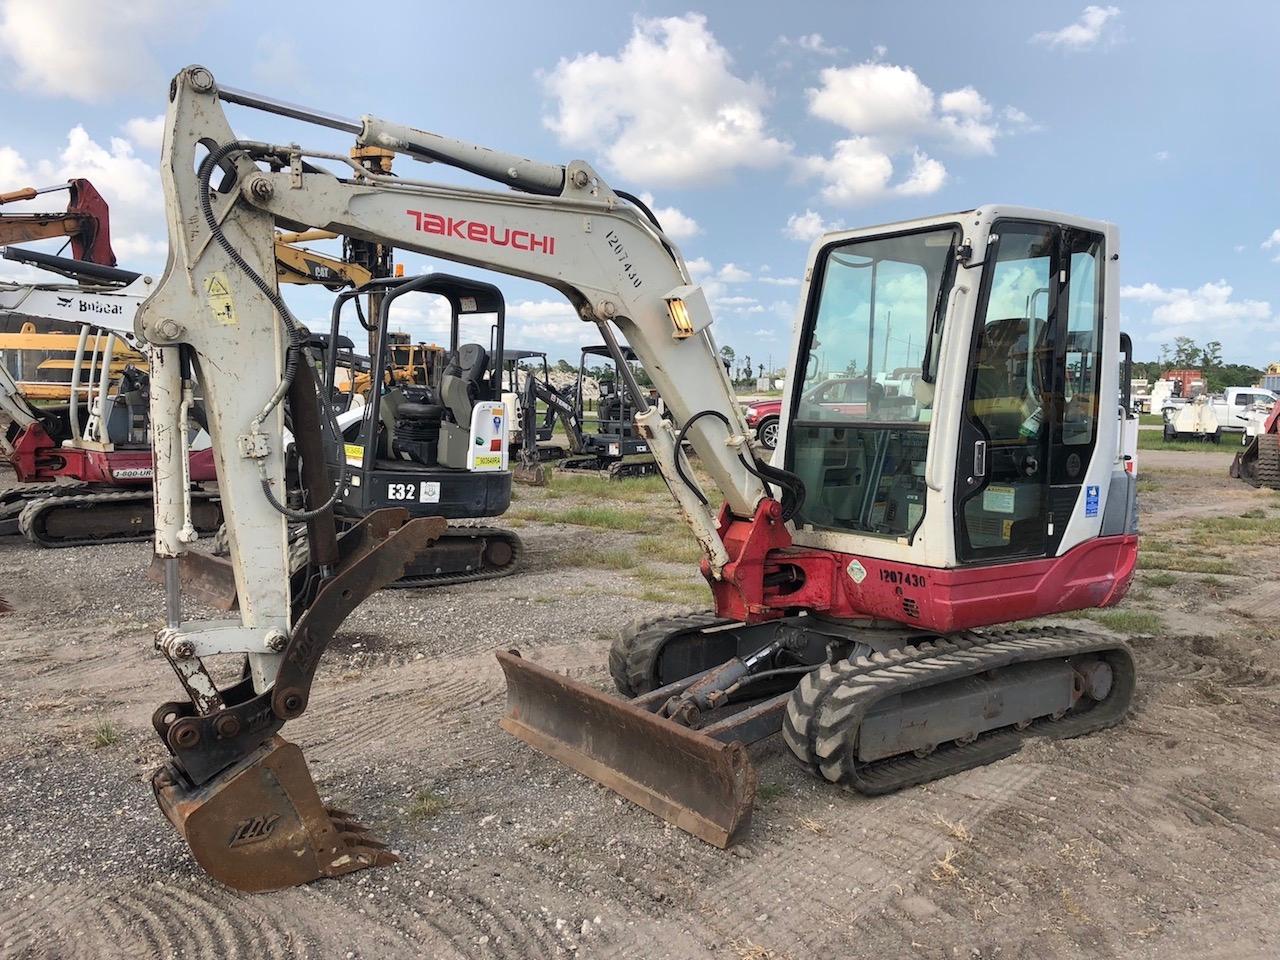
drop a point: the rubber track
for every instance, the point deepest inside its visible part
(34, 515)
(1267, 466)
(16, 499)
(637, 646)
(468, 528)
(824, 713)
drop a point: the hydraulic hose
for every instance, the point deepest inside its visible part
(793, 491)
(297, 336)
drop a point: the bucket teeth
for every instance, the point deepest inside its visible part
(260, 825)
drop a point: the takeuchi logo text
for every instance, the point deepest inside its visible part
(478, 232)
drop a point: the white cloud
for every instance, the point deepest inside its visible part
(1209, 308)
(85, 49)
(812, 43)
(738, 305)
(808, 226)
(893, 105)
(764, 333)
(667, 108)
(423, 318)
(732, 273)
(780, 281)
(1273, 240)
(698, 267)
(1161, 156)
(676, 224)
(147, 133)
(129, 184)
(1239, 248)
(535, 321)
(1085, 33)
(890, 112)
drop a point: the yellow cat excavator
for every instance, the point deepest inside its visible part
(976, 470)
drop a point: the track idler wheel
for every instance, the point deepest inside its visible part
(260, 825)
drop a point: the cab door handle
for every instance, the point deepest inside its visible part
(980, 458)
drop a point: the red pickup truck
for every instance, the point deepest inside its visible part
(762, 417)
(841, 396)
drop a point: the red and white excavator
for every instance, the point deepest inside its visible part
(867, 582)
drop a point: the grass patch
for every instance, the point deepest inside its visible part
(1147, 485)
(1129, 621)
(1185, 563)
(1150, 420)
(678, 547)
(607, 558)
(546, 841)
(602, 518)
(105, 735)
(769, 792)
(1249, 529)
(1159, 579)
(636, 490)
(427, 804)
(1151, 440)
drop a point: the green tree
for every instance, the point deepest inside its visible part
(1211, 356)
(1185, 352)
(727, 353)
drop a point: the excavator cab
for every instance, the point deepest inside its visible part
(436, 448)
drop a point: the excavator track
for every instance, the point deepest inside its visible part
(92, 518)
(468, 551)
(634, 653)
(829, 710)
(609, 467)
(16, 499)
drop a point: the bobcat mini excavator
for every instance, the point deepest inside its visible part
(852, 579)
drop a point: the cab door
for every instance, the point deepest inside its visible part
(1030, 415)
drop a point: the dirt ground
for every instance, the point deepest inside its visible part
(1160, 838)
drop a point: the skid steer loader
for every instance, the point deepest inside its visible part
(860, 581)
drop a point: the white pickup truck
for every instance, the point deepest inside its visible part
(1228, 412)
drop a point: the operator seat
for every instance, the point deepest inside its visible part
(461, 381)
(1001, 378)
(461, 385)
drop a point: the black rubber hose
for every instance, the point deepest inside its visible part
(297, 336)
(792, 486)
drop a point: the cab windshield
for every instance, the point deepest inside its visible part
(860, 425)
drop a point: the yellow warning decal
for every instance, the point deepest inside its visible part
(218, 296)
(354, 452)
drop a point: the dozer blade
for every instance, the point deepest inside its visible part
(260, 825)
(699, 784)
(209, 579)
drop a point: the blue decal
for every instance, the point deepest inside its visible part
(1091, 501)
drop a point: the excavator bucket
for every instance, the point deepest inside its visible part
(261, 825)
(530, 474)
(700, 784)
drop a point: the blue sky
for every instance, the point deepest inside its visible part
(751, 124)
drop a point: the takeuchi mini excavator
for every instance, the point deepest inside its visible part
(859, 580)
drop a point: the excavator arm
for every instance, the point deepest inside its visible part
(216, 318)
(86, 221)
